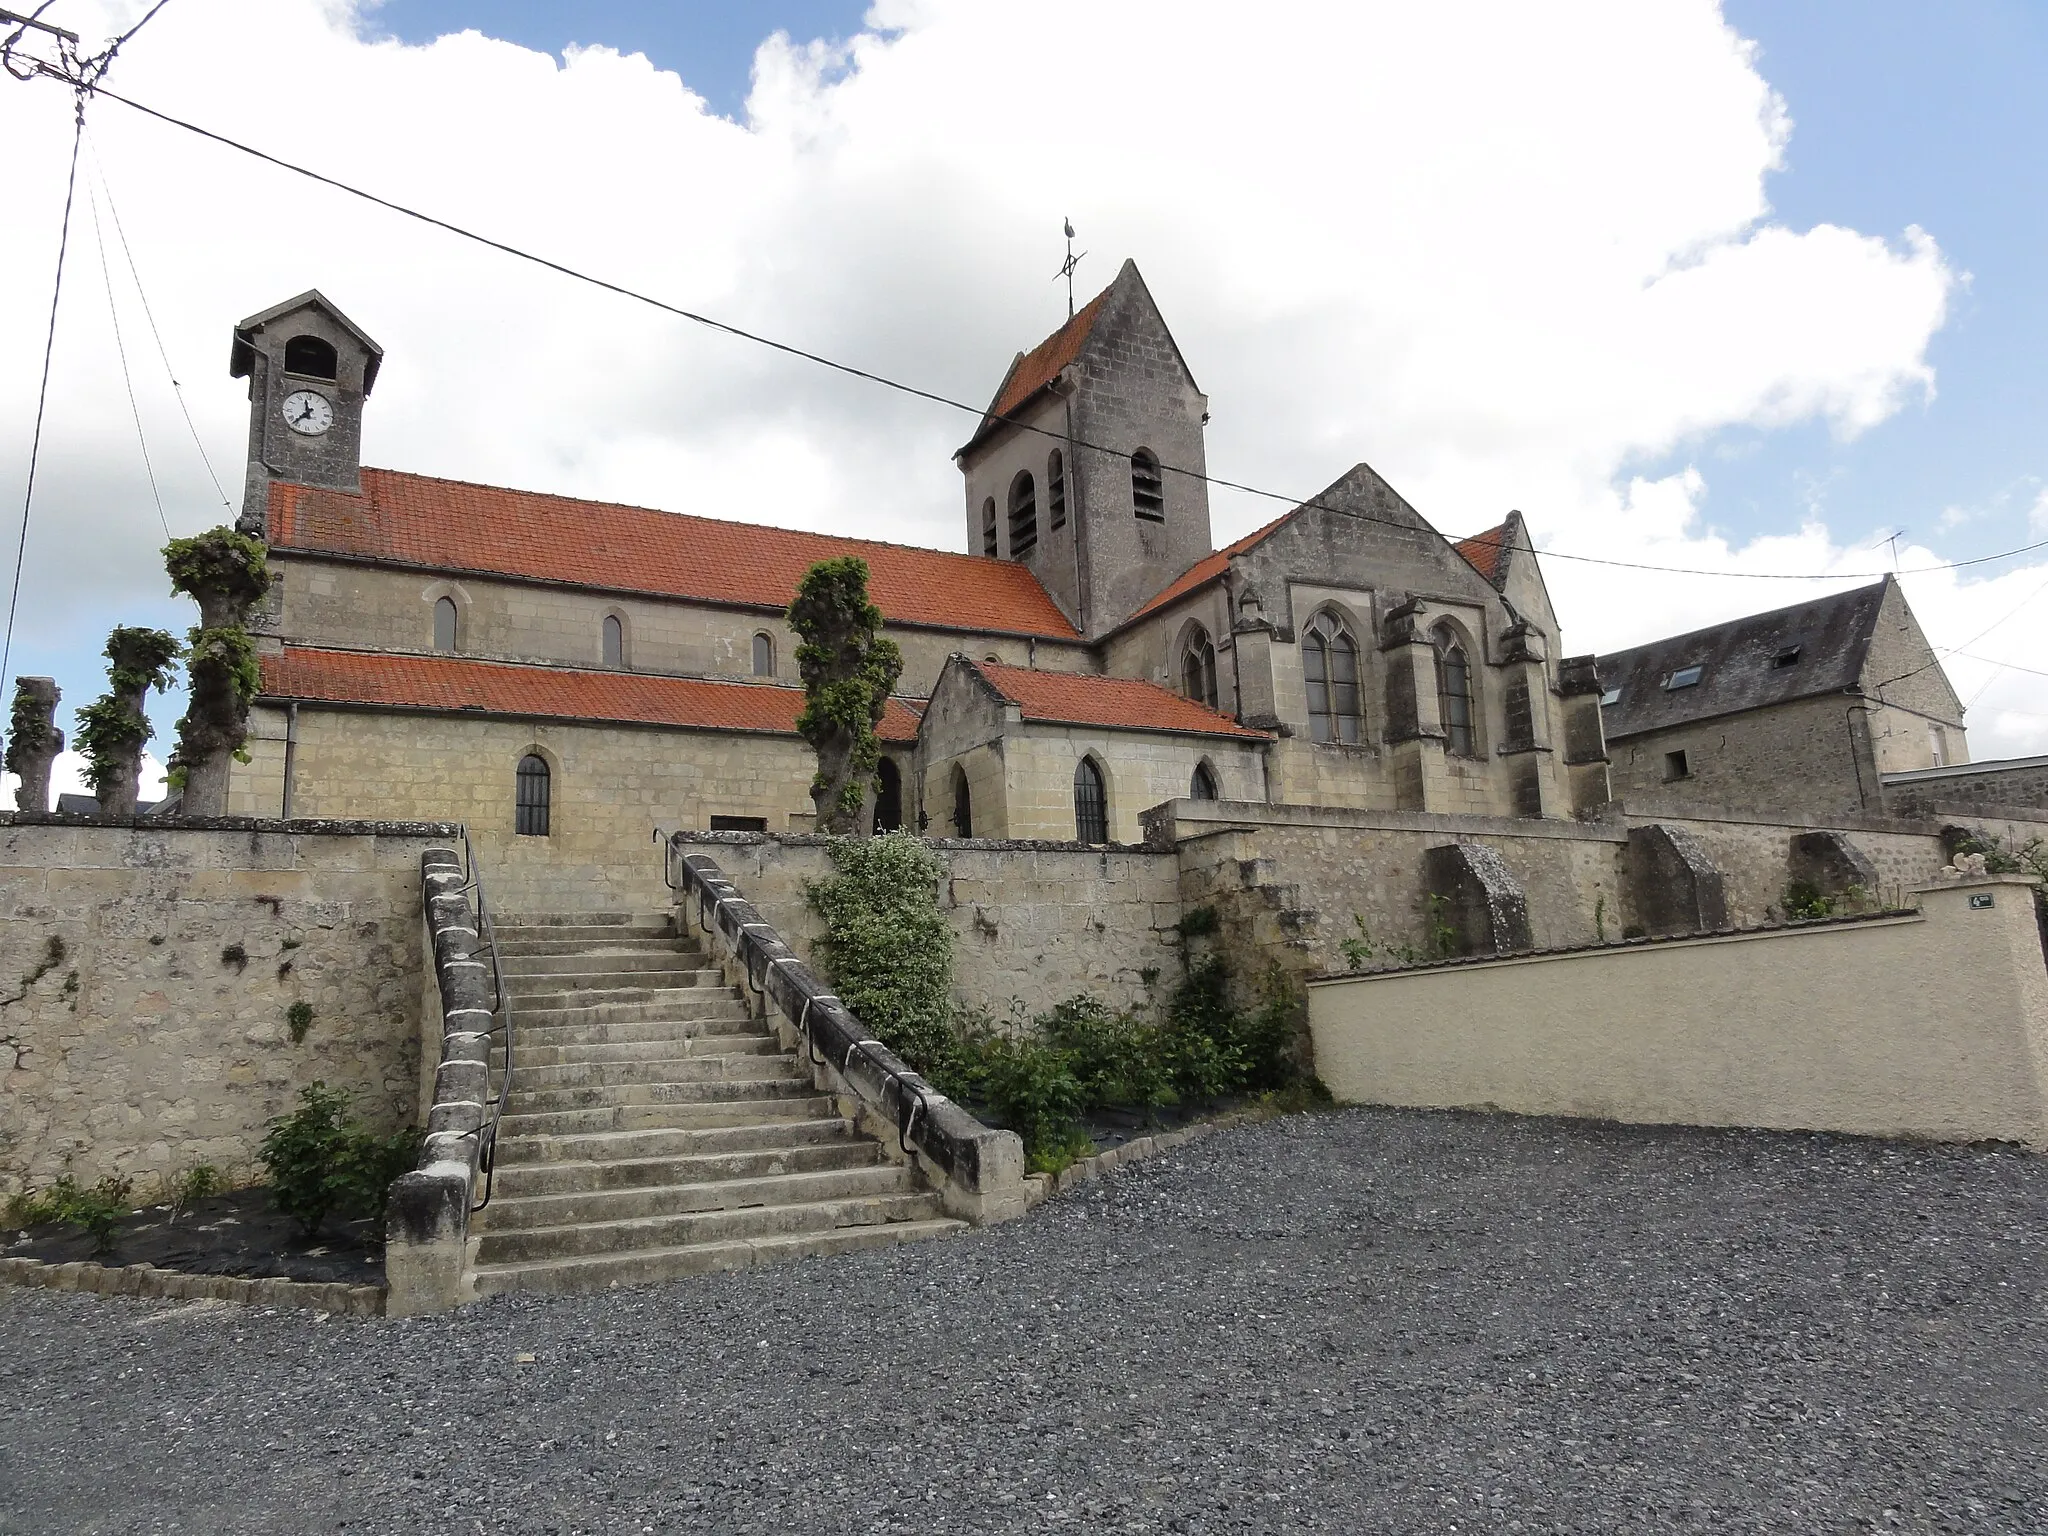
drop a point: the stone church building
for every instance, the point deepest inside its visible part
(568, 676)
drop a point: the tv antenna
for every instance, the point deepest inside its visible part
(1067, 267)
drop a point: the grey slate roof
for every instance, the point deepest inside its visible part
(1738, 663)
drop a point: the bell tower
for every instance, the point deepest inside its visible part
(310, 368)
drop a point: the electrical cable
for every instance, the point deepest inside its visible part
(177, 389)
(35, 445)
(1952, 650)
(121, 351)
(791, 350)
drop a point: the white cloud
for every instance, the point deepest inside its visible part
(1502, 252)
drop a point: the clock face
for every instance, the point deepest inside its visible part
(308, 411)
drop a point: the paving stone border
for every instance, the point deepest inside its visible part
(1043, 1186)
(147, 1280)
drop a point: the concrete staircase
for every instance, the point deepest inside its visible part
(656, 1129)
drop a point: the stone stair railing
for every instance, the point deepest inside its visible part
(427, 1247)
(977, 1172)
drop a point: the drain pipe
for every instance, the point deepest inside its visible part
(291, 753)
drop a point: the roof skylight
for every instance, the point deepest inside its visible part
(1684, 677)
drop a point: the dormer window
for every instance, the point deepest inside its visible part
(1148, 491)
(310, 358)
(1684, 677)
(1785, 656)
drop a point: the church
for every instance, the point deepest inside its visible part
(569, 677)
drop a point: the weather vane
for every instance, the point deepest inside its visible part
(1067, 267)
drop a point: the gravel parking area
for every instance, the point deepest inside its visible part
(1358, 1321)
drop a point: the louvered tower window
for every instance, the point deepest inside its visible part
(988, 528)
(1148, 491)
(1023, 515)
(1055, 491)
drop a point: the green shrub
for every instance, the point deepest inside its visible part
(193, 1186)
(1804, 901)
(1033, 1089)
(298, 1019)
(321, 1161)
(1214, 1048)
(97, 1210)
(1118, 1058)
(887, 946)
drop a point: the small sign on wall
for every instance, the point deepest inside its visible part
(1979, 900)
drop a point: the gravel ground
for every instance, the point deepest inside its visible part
(1363, 1321)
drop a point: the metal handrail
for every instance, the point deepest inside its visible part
(501, 1011)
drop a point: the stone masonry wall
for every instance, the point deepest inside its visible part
(1033, 923)
(1979, 790)
(159, 1040)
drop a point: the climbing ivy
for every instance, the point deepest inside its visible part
(113, 728)
(226, 573)
(28, 728)
(887, 946)
(848, 667)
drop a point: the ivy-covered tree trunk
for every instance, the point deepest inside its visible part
(33, 740)
(848, 668)
(113, 728)
(226, 574)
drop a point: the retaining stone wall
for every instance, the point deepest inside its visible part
(143, 1052)
(1034, 923)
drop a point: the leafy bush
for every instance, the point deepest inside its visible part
(887, 946)
(321, 1161)
(97, 1210)
(1215, 1048)
(193, 1186)
(1117, 1057)
(1804, 901)
(298, 1019)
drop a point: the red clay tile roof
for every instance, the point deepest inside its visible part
(1207, 569)
(1120, 703)
(504, 688)
(1485, 551)
(1040, 366)
(452, 525)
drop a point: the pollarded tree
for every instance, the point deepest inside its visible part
(848, 668)
(33, 740)
(113, 728)
(226, 574)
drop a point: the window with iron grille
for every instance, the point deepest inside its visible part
(1023, 515)
(614, 641)
(988, 528)
(1198, 667)
(1329, 668)
(963, 805)
(1148, 491)
(1453, 690)
(1055, 491)
(1204, 785)
(1091, 804)
(531, 797)
(446, 621)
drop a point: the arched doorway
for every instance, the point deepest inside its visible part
(888, 796)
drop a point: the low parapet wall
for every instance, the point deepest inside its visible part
(150, 972)
(1931, 1024)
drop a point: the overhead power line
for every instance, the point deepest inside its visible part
(788, 349)
(121, 350)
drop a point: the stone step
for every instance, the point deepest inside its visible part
(576, 1209)
(588, 960)
(532, 1077)
(597, 922)
(521, 1180)
(655, 943)
(766, 1132)
(728, 1110)
(772, 1077)
(534, 1053)
(696, 1008)
(572, 992)
(562, 1277)
(596, 973)
(681, 1228)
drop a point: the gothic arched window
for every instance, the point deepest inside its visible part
(614, 641)
(310, 358)
(1023, 515)
(988, 528)
(1204, 785)
(446, 624)
(764, 655)
(1198, 666)
(531, 797)
(1148, 491)
(1329, 666)
(963, 804)
(1453, 690)
(1091, 803)
(1055, 490)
